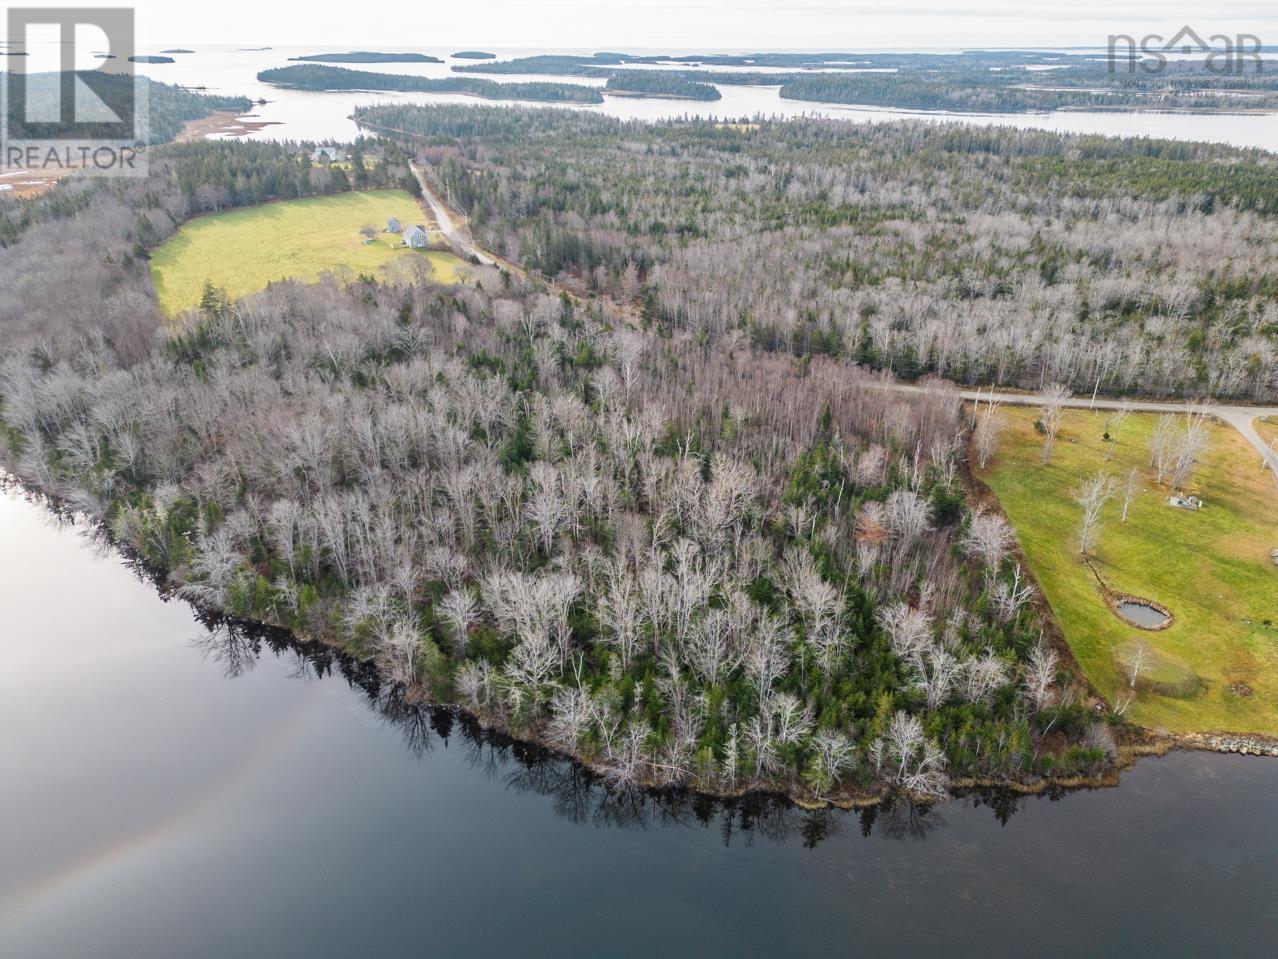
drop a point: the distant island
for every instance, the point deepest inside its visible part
(637, 83)
(976, 81)
(149, 59)
(252, 49)
(316, 77)
(368, 56)
(474, 55)
(177, 50)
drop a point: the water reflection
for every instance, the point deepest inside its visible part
(575, 793)
(160, 809)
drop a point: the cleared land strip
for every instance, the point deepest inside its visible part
(1241, 418)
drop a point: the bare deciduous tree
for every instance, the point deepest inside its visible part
(1040, 674)
(1051, 413)
(914, 762)
(1190, 446)
(990, 425)
(988, 537)
(1161, 445)
(1092, 497)
(1129, 490)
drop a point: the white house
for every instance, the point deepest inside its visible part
(415, 236)
(326, 155)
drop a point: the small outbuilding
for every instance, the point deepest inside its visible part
(393, 226)
(1181, 501)
(416, 237)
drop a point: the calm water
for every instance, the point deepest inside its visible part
(301, 115)
(1142, 614)
(175, 790)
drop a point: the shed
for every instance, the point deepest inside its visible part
(416, 237)
(392, 226)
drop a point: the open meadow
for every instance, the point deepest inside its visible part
(242, 251)
(1268, 430)
(1215, 668)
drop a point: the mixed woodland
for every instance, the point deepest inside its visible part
(982, 255)
(682, 550)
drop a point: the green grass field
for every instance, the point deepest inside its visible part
(1268, 429)
(1211, 569)
(243, 250)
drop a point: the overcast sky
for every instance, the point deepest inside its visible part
(684, 24)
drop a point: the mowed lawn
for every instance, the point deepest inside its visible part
(243, 250)
(1211, 569)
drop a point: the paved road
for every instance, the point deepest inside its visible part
(1241, 418)
(458, 236)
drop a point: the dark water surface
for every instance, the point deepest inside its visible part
(168, 791)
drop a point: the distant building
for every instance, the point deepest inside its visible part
(326, 155)
(416, 237)
(392, 226)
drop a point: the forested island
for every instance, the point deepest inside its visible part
(1008, 96)
(679, 553)
(982, 255)
(168, 106)
(977, 81)
(654, 84)
(368, 56)
(318, 77)
(473, 55)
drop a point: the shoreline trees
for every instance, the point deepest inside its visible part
(683, 557)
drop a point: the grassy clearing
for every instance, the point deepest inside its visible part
(242, 251)
(1268, 429)
(1211, 569)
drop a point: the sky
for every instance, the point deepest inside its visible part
(683, 25)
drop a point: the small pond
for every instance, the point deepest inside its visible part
(1142, 614)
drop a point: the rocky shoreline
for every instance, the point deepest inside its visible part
(1229, 743)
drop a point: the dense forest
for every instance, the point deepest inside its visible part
(1012, 94)
(652, 83)
(982, 255)
(310, 76)
(676, 553)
